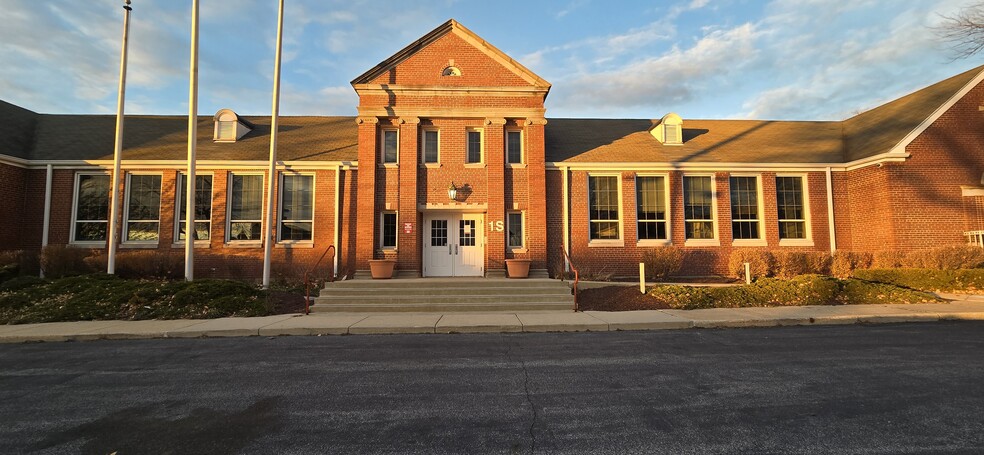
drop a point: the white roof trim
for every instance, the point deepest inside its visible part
(180, 164)
(725, 167)
(900, 147)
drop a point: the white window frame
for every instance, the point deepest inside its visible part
(761, 240)
(423, 146)
(620, 241)
(382, 146)
(180, 199)
(280, 206)
(228, 225)
(125, 231)
(522, 147)
(382, 230)
(808, 241)
(75, 210)
(481, 135)
(716, 240)
(521, 248)
(666, 203)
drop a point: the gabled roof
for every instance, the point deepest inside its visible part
(91, 137)
(452, 26)
(16, 130)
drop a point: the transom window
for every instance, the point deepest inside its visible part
(651, 208)
(789, 202)
(603, 208)
(514, 226)
(143, 208)
(389, 145)
(388, 226)
(91, 208)
(296, 207)
(514, 146)
(698, 203)
(430, 146)
(246, 208)
(203, 207)
(744, 208)
(474, 147)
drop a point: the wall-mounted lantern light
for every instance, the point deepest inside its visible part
(452, 192)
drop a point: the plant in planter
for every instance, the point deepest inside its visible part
(382, 269)
(518, 268)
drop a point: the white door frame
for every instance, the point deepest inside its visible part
(453, 244)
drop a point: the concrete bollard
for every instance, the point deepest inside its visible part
(642, 277)
(748, 273)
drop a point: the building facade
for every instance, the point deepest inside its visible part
(451, 167)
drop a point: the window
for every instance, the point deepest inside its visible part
(430, 146)
(91, 207)
(388, 237)
(246, 208)
(296, 207)
(143, 208)
(474, 147)
(514, 147)
(792, 213)
(698, 207)
(744, 208)
(673, 134)
(225, 130)
(390, 145)
(651, 208)
(514, 227)
(603, 203)
(203, 207)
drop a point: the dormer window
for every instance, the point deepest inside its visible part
(669, 130)
(229, 127)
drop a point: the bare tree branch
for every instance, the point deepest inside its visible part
(964, 31)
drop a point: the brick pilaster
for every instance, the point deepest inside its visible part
(495, 164)
(536, 216)
(366, 192)
(408, 244)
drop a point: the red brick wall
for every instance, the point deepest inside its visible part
(12, 198)
(424, 67)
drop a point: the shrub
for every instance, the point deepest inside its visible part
(793, 263)
(760, 261)
(946, 258)
(21, 282)
(59, 261)
(141, 264)
(859, 292)
(17, 262)
(662, 262)
(888, 259)
(964, 280)
(844, 263)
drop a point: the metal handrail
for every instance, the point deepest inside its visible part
(307, 276)
(576, 276)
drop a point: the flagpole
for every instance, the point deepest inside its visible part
(118, 148)
(192, 139)
(271, 173)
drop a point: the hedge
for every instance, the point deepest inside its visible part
(966, 280)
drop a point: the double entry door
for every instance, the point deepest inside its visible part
(454, 244)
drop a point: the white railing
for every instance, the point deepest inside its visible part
(975, 238)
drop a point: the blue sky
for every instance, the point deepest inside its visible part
(780, 59)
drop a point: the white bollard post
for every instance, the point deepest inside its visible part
(748, 273)
(642, 277)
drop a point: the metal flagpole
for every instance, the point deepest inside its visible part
(271, 174)
(192, 139)
(118, 149)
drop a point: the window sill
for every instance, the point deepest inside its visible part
(430, 166)
(516, 165)
(795, 242)
(749, 242)
(519, 250)
(138, 246)
(702, 242)
(198, 244)
(306, 244)
(653, 242)
(388, 165)
(474, 165)
(605, 243)
(244, 244)
(101, 244)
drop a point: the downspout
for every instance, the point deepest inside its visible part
(338, 216)
(47, 210)
(567, 216)
(830, 213)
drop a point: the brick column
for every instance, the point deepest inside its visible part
(495, 168)
(536, 214)
(408, 259)
(365, 243)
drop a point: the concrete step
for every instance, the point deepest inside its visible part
(413, 299)
(450, 307)
(435, 291)
(410, 283)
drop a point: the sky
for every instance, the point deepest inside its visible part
(703, 59)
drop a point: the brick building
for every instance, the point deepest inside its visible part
(451, 110)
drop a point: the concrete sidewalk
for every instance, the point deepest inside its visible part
(968, 308)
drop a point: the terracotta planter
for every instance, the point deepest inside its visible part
(518, 268)
(382, 269)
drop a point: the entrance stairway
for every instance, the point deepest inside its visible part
(445, 295)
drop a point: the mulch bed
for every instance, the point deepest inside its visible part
(284, 302)
(617, 298)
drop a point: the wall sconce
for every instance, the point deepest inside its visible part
(453, 192)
